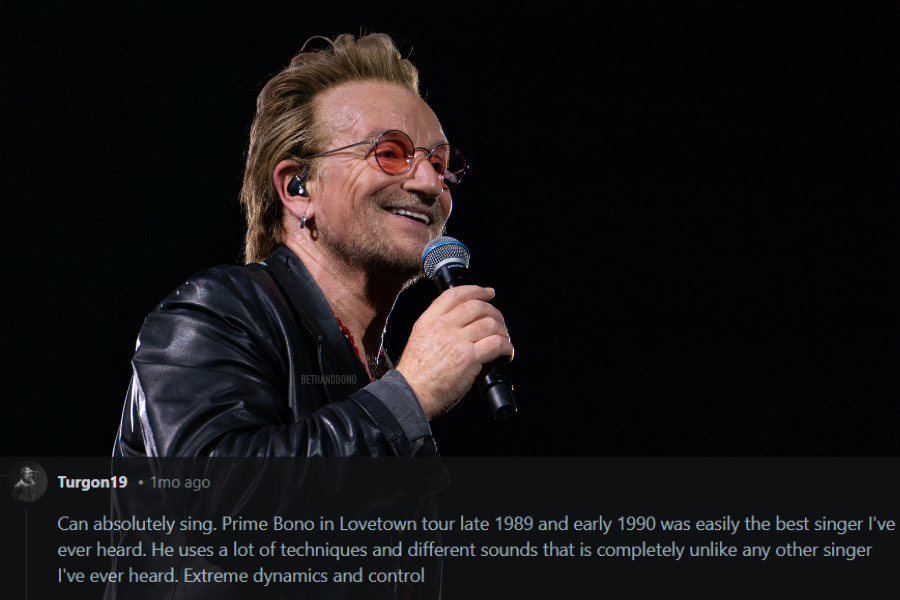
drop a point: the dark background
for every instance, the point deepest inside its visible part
(689, 212)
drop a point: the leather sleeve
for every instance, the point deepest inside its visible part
(215, 375)
(211, 379)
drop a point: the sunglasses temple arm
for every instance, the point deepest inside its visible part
(341, 148)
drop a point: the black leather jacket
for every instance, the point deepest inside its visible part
(250, 362)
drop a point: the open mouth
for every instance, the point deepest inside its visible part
(415, 216)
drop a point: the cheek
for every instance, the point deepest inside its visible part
(335, 199)
(446, 204)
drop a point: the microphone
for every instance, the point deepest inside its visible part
(445, 260)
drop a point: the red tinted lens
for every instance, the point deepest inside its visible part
(394, 152)
(439, 159)
(449, 163)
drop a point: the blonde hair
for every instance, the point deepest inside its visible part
(285, 126)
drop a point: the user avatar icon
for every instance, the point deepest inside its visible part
(31, 482)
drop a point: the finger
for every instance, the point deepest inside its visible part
(483, 328)
(492, 348)
(472, 311)
(450, 299)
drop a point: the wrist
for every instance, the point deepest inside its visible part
(418, 389)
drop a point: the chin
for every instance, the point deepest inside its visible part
(403, 263)
(398, 258)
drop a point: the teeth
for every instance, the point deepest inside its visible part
(411, 215)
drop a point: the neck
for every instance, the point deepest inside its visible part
(361, 299)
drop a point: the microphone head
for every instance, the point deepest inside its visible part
(442, 250)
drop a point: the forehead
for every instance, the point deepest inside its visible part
(352, 111)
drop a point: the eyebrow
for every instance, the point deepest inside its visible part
(375, 133)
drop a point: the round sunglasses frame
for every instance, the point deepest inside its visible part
(410, 159)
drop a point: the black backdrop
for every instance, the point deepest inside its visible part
(689, 212)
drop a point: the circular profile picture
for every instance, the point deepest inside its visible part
(27, 481)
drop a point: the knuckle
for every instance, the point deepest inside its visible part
(491, 311)
(460, 355)
(473, 304)
(492, 344)
(421, 328)
(494, 326)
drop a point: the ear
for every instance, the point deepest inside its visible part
(281, 176)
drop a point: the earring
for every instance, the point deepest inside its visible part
(302, 221)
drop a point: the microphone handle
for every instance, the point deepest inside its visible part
(493, 382)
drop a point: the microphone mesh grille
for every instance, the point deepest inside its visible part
(439, 250)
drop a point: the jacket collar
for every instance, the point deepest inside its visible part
(336, 357)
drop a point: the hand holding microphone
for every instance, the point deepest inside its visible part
(459, 340)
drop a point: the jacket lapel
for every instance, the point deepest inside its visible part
(342, 372)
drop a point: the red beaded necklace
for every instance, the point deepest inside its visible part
(349, 337)
(408, 588)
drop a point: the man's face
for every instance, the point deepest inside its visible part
(28, 475)
(354, 201)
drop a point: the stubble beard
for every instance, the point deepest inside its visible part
(374, 252)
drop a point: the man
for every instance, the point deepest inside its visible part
(26, 489)
(347, 179)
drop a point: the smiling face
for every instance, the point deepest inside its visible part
(363, 215)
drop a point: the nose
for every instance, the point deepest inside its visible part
(422, 177)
